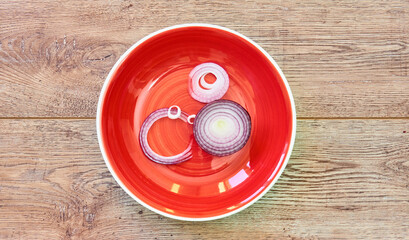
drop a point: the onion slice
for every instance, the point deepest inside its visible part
(173, 112)
(222, 127)
(205, 92)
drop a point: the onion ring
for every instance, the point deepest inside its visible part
(147, 124)
(205, 92)
(222, 127)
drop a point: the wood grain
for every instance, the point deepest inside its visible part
(347, 179)
(342, 58)
(347, 63)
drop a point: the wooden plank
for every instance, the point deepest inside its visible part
(342, 59)
(346, 179)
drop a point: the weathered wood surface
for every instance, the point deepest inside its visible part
(347, 179)
(347, 63)
(342, 59)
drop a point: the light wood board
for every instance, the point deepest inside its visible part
(342, 59)
(347, 179)
(347, 63)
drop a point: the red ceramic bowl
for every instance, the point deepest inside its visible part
(153, 74)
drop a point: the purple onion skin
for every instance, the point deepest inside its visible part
(215, 148)
(153, 117)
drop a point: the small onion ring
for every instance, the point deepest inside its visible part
(222, 127)
(189, 119)
(176, 115)
(205, 92)
(143, 136)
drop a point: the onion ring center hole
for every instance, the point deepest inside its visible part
(168, 137)
(209, 78)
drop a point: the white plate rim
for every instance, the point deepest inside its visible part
(99, 112)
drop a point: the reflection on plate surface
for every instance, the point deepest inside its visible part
(153, 75)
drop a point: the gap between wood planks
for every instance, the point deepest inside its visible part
(298, 118)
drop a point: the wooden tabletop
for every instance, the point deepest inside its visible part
(347, 63)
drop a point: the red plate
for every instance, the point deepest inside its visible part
(153, 74)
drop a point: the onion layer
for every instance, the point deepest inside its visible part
(222, 127)
(205, 92)
(173, 112)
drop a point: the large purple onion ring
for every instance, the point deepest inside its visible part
(222, 127)
(147, 124)
(205, 92)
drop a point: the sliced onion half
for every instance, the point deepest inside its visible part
(173, 112)
(222, 127)
(206, 92)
